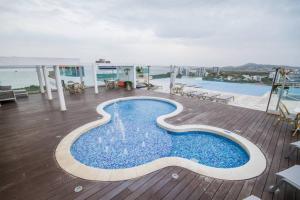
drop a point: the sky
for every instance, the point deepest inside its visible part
(154, 32)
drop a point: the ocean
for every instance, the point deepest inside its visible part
(19, 78)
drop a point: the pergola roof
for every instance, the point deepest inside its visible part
(30, 62)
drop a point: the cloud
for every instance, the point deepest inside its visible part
(154, 32)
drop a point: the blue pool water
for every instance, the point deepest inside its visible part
(133, 138)
(239, 88)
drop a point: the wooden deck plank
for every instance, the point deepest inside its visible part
(190, 188)
(163, 191)
(260, 183)
(139, 190)
(149, 192)
(201, 188)
(249, 184)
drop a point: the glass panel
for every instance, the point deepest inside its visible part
(20, 79)
(286, 88)
(71, 71)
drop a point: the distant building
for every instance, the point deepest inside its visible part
(294, 76)
(247, 77)
(271, 75)
(201, 72)
(216, 70)
(229, 78)
(195, 71)
(185, 71)
(180, 70)
(256, 78)
(252, 78)
(192, 71)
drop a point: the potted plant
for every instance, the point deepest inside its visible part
(128, 85)
(140, 72)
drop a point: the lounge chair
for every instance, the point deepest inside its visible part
(285, 115)
(199, 94)
(194, 86)
(7, 94)
(21, 93)
(224, 98)
(75, 88)
(187, 92)
(109, 84)
(210, 96)
(116, 84)
(290, 176)
(178, 88)
(141, 85)
(150, 86)
(294, 147)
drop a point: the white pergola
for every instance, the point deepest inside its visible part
(42, 65)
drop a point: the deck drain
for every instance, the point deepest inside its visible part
(236, 130)
(175, 176)
(78, 188)
(58, 136)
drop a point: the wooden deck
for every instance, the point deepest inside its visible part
(31, 129)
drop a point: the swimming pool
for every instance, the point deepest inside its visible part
(133, 138)
(239, 88)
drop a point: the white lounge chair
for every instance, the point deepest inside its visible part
(210, 96)
(194, 86)
(224, 98)
(7, 94)
(178, 88)
(294, 147)
(199, 94)
(20, 93)
(150, 86)
(285, 115)
(290, 176)
(187, 92)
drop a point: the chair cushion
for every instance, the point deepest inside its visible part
(8, 87)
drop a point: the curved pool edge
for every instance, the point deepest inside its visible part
(254, 167)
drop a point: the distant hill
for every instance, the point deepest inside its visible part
(253, 67)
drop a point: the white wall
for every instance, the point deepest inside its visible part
(131, 74)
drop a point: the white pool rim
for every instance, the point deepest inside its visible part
(254, 167)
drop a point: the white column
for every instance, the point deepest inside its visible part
(60, 91)
(134, 77)
(118, 75)
(46, 78)
(95, 78)
(39, 74)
